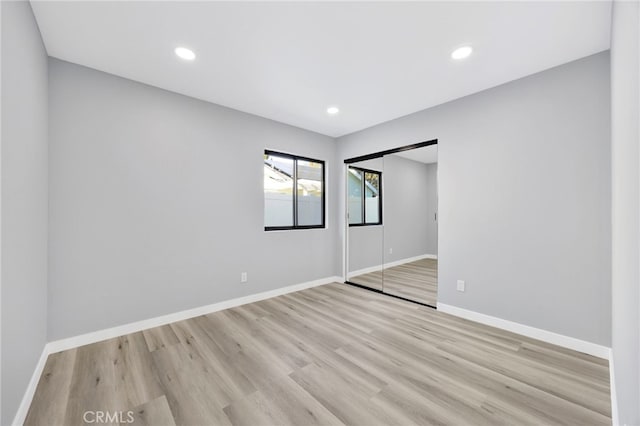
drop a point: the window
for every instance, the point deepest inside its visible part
(293, 192)
(365, 197)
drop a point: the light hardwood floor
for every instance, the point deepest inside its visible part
(330, 355)
(414, 280)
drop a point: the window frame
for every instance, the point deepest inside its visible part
(363, 206)
(295, 225)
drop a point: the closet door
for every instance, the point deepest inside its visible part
(410, 228)
(366, 231)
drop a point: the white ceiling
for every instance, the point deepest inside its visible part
(427, 154)
(289, 61)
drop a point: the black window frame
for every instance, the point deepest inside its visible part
(295, 225)
(363, 203)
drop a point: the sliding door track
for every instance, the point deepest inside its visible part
(390, 295)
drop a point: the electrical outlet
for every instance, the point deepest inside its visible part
(460, 285)
(391, 251)
(243, 277)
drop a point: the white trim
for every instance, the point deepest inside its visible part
(365, 271)
(23, 409)
(109, 333)
(345, 224)
(409, 260)
(392, 264)
(535, 333)
(614, 397)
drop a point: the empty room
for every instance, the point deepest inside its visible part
(320, 213)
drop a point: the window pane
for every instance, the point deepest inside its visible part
(372, 197)
(278, 191)
(309, 193)
(355, 196)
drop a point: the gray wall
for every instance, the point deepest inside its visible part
(156, 203)
(524, 187)
(625, 137)
(24, 202)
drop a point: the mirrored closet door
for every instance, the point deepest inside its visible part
(410, 226)
(364, 204)
(392, 230)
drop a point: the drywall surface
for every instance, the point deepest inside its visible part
(625, 138)
(24, 202)
(156, 203)
(524, 187)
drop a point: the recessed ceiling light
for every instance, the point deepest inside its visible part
(461, 52)
(184, 53)
(333, 110)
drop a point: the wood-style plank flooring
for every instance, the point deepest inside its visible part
(416, 280)
(330, 355)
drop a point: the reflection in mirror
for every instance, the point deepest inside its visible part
(364, 195)
(364, 191)
(372, 204)
(354, 182)
(410, 229)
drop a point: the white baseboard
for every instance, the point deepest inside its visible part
(535, 333)
(23, 409)
(614, 397)
(109, 333)
(391, 264)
